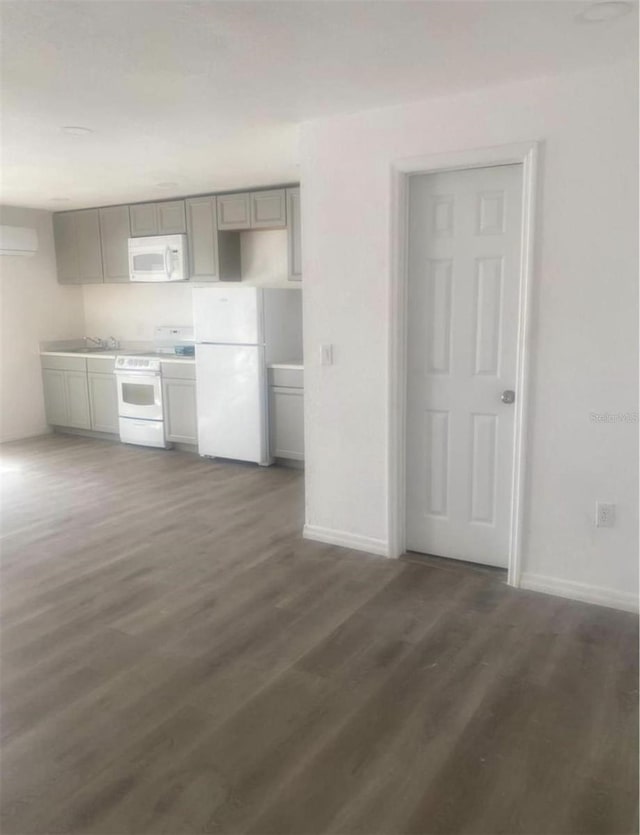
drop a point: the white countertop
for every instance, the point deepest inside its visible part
(111, 355)
(294, 366)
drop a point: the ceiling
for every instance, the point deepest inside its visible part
(206, 96)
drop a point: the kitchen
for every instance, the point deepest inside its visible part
(149, 382)
(216, 613)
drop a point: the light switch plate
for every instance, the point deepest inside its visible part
(326, 355)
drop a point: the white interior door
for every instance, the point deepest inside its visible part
(464, 266)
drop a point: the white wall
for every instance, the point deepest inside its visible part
(130, 312)
(585, 347)
(34, 308)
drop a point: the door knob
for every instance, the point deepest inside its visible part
(508, 396)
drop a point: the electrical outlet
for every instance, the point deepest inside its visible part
(605, 515)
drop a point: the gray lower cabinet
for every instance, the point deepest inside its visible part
(114, 236)
(78, 247)
(181, 422)
(166, 218)
(202, 229)
(103, 400)
(287, 422)
(66, 397)
(294, 237)
(179, 396)
(55, 397)
(79, 413)
(80, 393)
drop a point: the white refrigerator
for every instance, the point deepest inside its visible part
(238, 331)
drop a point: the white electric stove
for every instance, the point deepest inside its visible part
(140, 402)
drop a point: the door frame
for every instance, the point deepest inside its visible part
(525, 154)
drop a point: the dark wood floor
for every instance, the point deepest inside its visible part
(175, 659)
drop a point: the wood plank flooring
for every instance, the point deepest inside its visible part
(175, 659)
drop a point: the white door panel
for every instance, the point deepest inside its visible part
(232, 418)
(228, 315)
(464, 261)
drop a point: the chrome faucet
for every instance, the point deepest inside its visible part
(96, 341)
(112, 342)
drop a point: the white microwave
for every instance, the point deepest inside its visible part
(160, 258)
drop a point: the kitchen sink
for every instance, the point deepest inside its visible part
(91, 350)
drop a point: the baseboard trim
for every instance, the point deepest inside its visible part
(24, 436)
(346, 540)
(626, 601)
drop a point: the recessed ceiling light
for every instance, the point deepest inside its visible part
(166, 185)
(601, 12)
(76, 130)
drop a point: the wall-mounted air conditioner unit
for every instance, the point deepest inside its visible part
(18, 240)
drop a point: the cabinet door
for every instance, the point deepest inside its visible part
(77, 391)
(202, 229)
(294, 238)
(287, 423)
(171, 220)
(114, 236)
(64, 234)
(143, 220)
(55, 397)
(180, 411)
(234, 211)
(268, 209)
(103, 401)
(88, 248)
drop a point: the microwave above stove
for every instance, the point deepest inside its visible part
(158, 258)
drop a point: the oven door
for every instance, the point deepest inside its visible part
(140, 396)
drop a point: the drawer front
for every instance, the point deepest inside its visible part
(101, 365)
(178, 370)
(64, 363)
(286, 377)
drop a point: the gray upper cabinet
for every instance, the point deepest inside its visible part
(203, 238)
(294, 237)
(88, 246)
(234, 211)
(92, 244)
(171, 218)
(157, 218)
(64, 234)
(78, 248)
(253, 210)
(143, 219)
(268, 209)
(114, 235)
